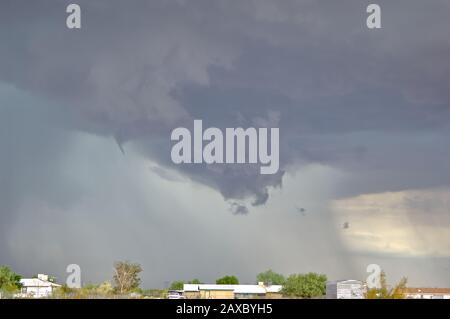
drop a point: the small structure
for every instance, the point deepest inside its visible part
(258, 291)
(207, 291)
(39, 287)
(345, 289)
(426, 293)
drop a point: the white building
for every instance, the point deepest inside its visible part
(427, 293)
(37, 287)
(345, 289)
(213, 291)
(255, 291)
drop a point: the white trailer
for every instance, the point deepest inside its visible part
(345, 289)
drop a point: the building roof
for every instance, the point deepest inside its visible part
(274, 288)
(426, 291)
(36, 282)
(238, 289)
(194, 288)
(345, 281)
(249, 289)
(190, 287)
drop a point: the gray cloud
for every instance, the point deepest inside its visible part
(238, 209)
(324, 74)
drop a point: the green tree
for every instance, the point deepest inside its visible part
(228, 280)
(177, 285)
(270, 277)
(9, 280)
(195, 281)
(384, 292)
(305, 285)
(104, 289)
(126, 277)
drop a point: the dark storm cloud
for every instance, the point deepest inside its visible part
(136, 70)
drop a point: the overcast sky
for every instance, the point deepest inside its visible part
(364, 138)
